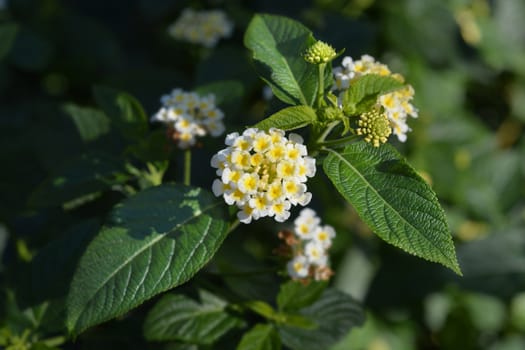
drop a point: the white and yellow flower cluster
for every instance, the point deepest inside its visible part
(190, 115)
(396, 105)
(201, 27)
(310, 249)
(263, 173)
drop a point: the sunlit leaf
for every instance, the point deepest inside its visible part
(277, 44)
(289, 118)
(363, 92)
(154, 241)
(397, 204)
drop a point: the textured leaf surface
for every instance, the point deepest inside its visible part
(277, 43)
(393, 200)
(91, 123)
(289, 118)
(154, 241)
(295, 295)
(177, 317)
(260, 337)
(124, 111)
(363, 92)
(335, 313)
(7, 37)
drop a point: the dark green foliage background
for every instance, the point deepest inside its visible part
(56, 57)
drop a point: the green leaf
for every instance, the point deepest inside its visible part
(260, 337)
(335, 313)
(295, 295)
(363, 92)
(262, 308)
(91, 123)
(290, 118)
(154, 241)
(87, 174)
(397, 204)
(7, 37)
(123, 110)
(277, 44)
(177, 317)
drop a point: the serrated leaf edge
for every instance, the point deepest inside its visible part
(453, 261)
(71, 325)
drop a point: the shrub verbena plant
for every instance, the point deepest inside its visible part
(163, 234)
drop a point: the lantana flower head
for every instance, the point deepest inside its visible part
(308, 244)
(263, 173)
(396, 105)
(189, 115)
(201, 27)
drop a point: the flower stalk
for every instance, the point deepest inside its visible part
(187, 166)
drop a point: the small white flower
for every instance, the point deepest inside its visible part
(248, 183)
(296, 192)
(298, 267)
(280, 210)
(219, 188)
(315, 253)
(231, 138)
(324, 235)
(236, 196)
(245, 214)
(348, 63)
(306, 224)
(304, 199)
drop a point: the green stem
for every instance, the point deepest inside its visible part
(320, 90)
(187, 167)
(234, 225)
(327, 131)
(340, 141)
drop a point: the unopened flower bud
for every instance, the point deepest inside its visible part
(375, 127)
(320, 52)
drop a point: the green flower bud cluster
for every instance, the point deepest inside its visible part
(320, 52)
(375, 127)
